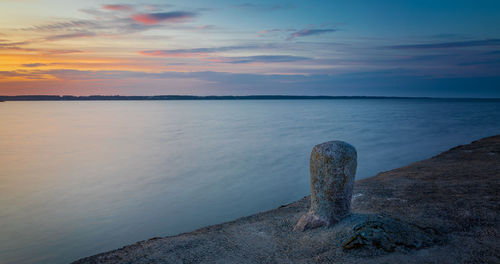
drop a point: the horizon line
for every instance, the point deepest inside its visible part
(213, 97)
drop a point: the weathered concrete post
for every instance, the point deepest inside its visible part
(333, 167)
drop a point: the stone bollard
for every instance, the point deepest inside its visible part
(333, 166)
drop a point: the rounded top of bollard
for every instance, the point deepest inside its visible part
(334, 149)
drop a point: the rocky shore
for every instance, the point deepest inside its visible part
(445, 209)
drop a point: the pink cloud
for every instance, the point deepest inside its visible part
(156, 18)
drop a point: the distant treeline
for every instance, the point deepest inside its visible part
(193, 97)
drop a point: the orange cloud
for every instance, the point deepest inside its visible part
(167, 54)
(118, 7)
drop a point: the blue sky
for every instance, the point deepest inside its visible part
(393, 48)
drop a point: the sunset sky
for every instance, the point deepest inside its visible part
(401, 48)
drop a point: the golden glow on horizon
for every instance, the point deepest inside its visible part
(73, 43)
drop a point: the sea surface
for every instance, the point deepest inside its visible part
(81, 177)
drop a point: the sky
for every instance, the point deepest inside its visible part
(330, 47)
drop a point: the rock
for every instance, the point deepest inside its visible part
(387, 234)
(332, 167)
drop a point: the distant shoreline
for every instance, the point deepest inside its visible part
(212, 97)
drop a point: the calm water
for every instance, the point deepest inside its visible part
(79, 178)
